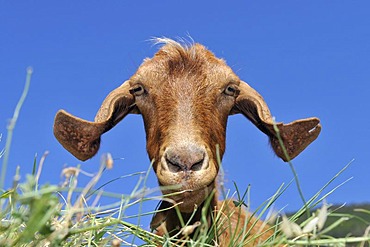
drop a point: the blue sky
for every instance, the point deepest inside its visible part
(307, 58)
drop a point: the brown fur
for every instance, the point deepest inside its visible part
(185, 95)
(235, 226)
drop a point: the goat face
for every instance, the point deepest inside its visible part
(185, 95)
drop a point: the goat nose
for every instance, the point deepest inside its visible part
(189, 158)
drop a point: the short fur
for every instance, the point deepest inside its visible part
(185, 95)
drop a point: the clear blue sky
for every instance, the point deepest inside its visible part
(307, 58)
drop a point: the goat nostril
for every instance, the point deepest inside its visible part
(197, 166)
(173, 166)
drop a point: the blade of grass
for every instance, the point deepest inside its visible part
(111, 181)
(327, 242)
(2, 150)
(312, 202)
(41, 164)
(11, 127)
(34, 166)
(143, 194)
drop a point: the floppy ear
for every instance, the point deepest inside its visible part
(82, 138)
(296, 135)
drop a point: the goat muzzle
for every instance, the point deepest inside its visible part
(185, 158)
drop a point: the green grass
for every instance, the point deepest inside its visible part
(34, 214)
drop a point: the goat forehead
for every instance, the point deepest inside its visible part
(177, 66)
(183, 56)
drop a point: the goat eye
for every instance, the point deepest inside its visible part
(137, 90)
(231, 90)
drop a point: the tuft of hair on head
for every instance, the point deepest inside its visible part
(178, 42)
(178, 45)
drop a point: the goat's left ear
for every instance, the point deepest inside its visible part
(296, 135)
(82, 138)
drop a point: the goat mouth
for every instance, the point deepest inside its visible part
(188, 194)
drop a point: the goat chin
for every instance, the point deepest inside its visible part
(188, 200)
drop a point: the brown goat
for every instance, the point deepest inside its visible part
(185, 95)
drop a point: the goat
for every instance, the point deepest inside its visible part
(185, 95)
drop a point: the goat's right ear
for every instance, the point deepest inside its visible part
(82, 138)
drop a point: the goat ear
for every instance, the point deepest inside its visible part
(82, 138)
(296, 136)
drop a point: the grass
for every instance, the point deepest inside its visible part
(34, 214)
